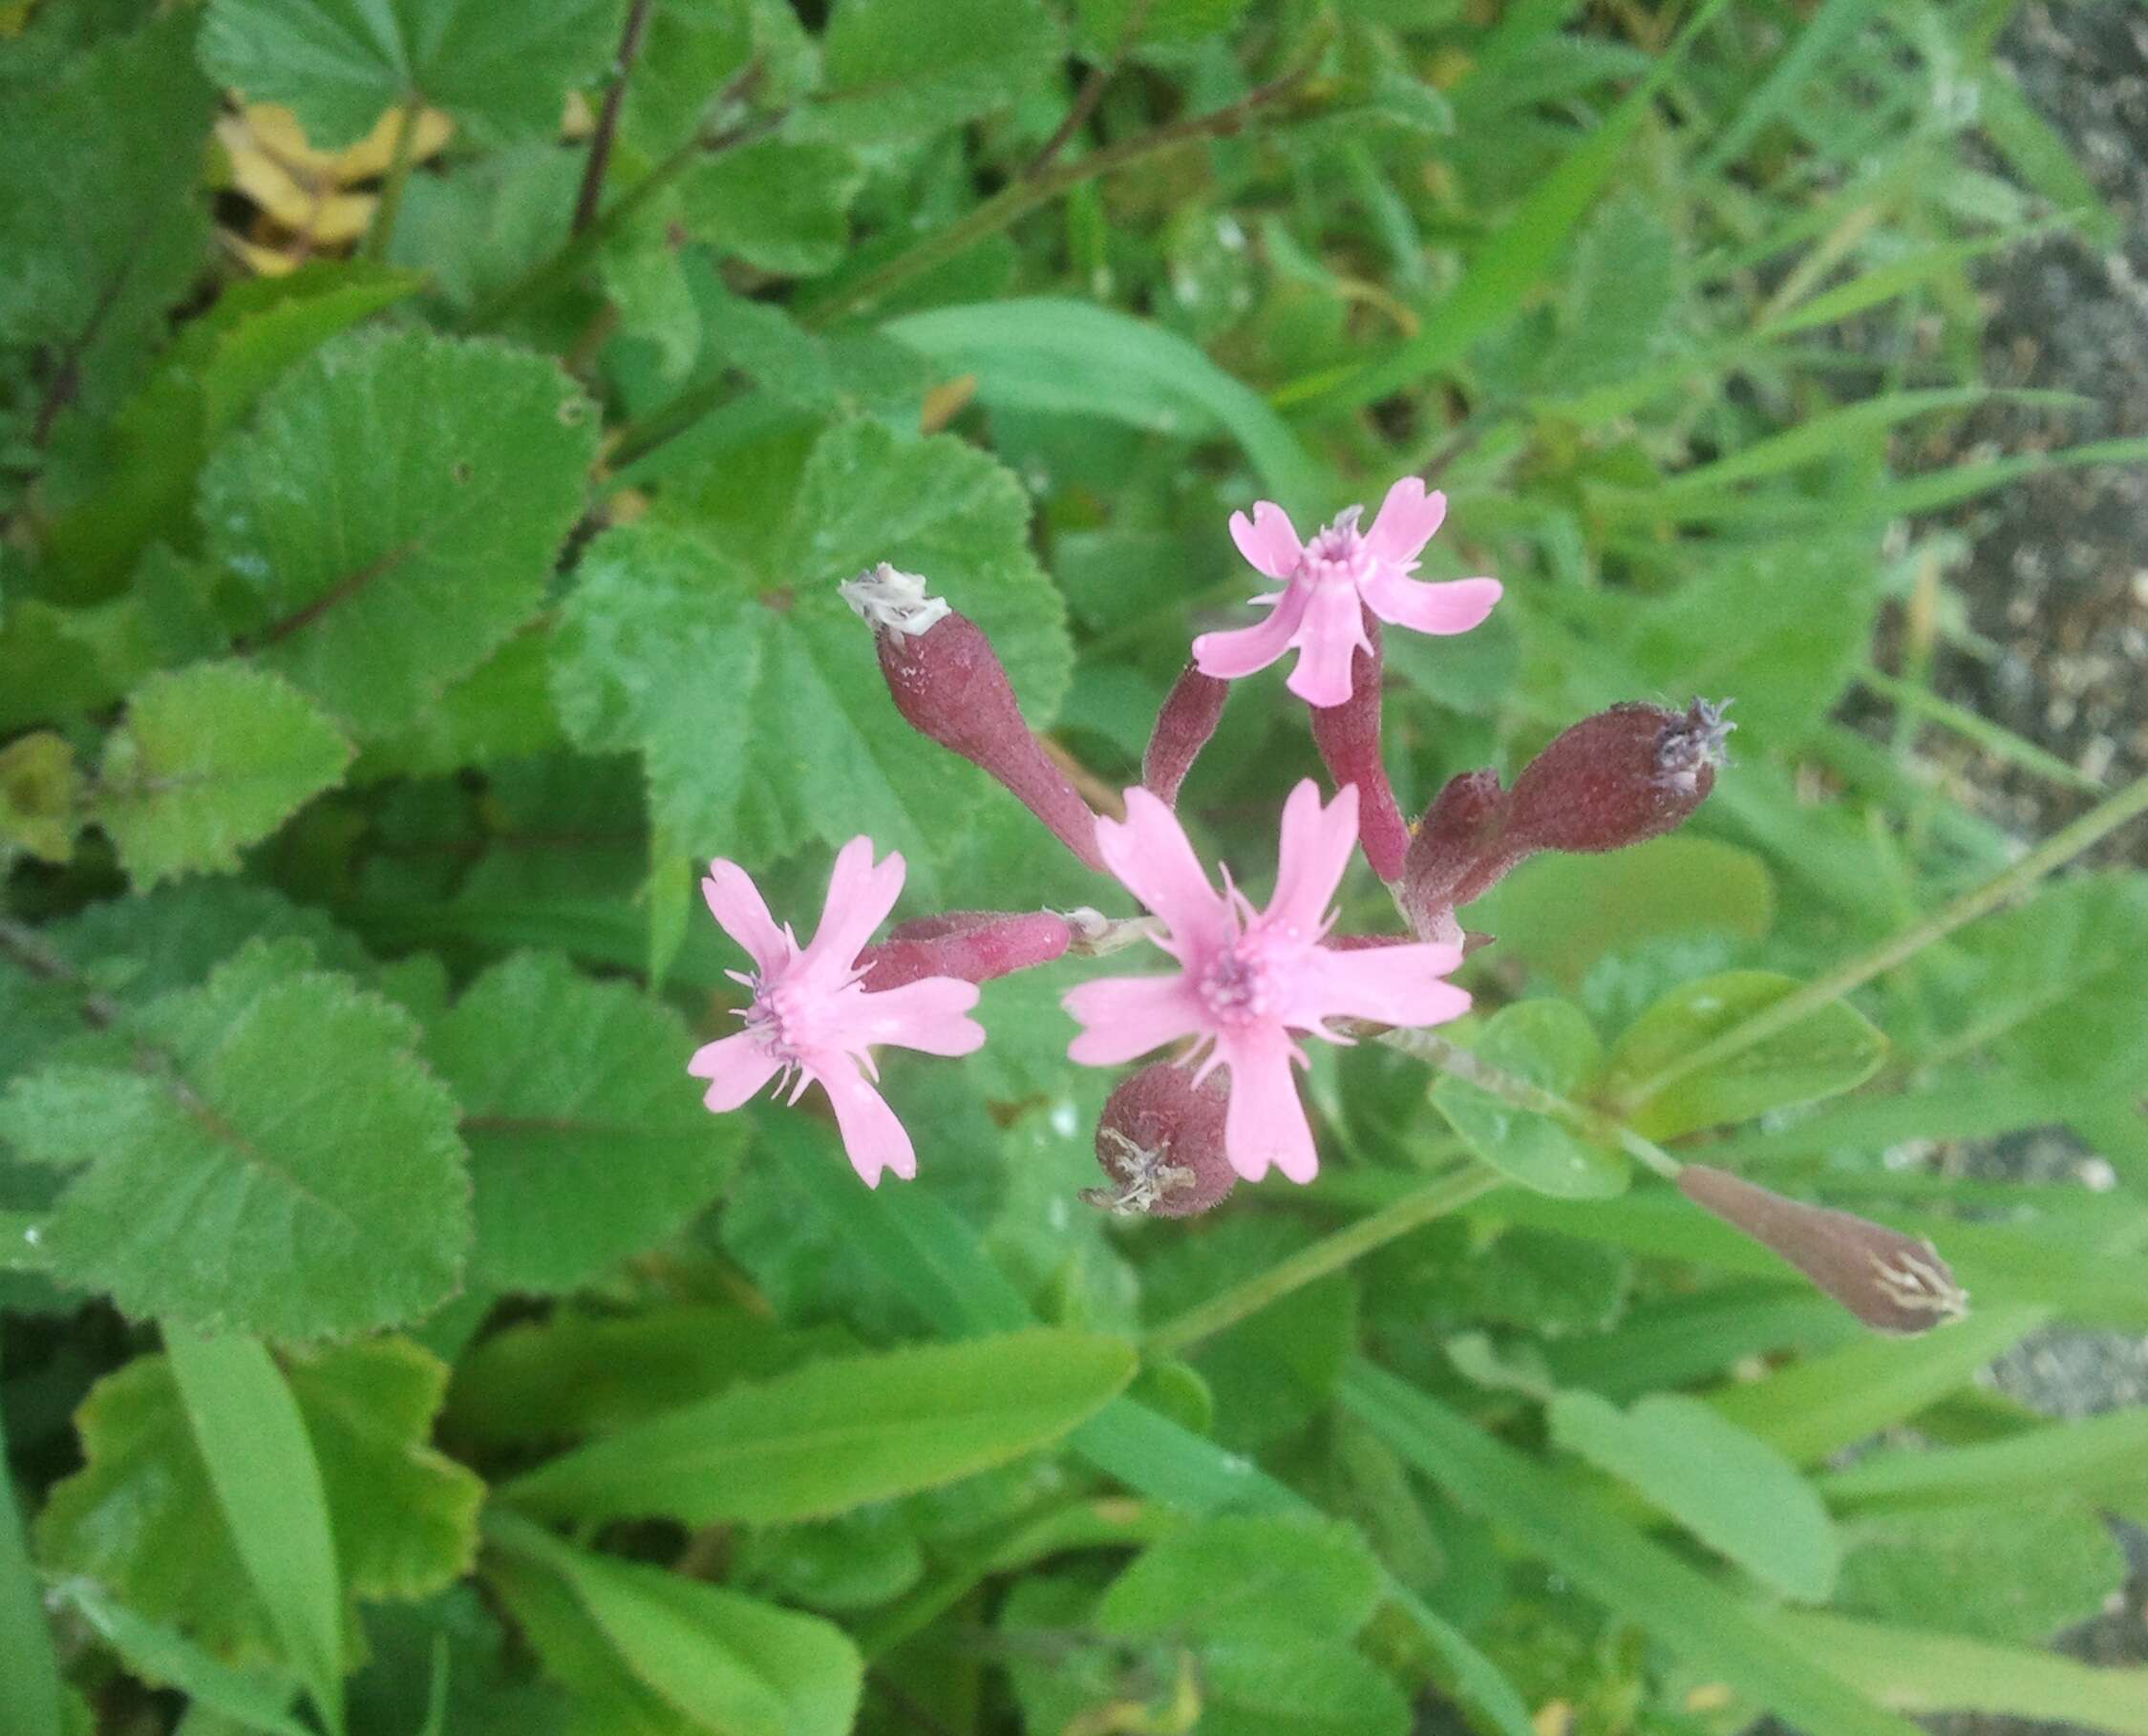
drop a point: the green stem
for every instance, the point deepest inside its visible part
(382, 229)
(1912, 700)
(2059, 849)
(1450, 1193)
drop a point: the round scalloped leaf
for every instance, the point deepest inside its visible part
(394, 512)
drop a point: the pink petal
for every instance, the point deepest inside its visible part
(1122, 1017)
(1265, 1124)
(736, 1066)
(1395, 984)
(1311, 857)
(1407, 520)
(871, 1134)
(859, 895)
(1269, 540)
(1240, 652)
(1149, 854)
(1452, 606)
(737, 904)
(927, 1014)
(1334, 630)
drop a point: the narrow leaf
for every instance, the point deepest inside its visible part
(268, 1484)
(837, 1434)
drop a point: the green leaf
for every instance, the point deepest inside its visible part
(685, 645)
(1808, 1409)
(1229, 1576)
(779, 206)
(1917, 1671)
(143, 484)
(501, 71)
(284, 1165)
(1075, 357)
(500, 711)
(30, 1687)
(1563, 913)
(905, 69)
(209, 759)
(142, 1518)
(837, 1434)
(99, 220)
(1681, 1609)
(1109, 26)
(1829, 1052)
(577, 1374)
(2100, 1459)
(39, 788)
(394, 511)
(1736, 1493)
(1549, 1044)
(1284, 1684)
(727, 1663)
(266, 1484)
(160, 1656)
(2017, 1571)
(587, 1142)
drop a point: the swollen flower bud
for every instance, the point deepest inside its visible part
(1891, 1282)
(1183, 726)
(1161, 1141)
(1622, 776)
(1348, 736)
(975, 945)
(950, 688)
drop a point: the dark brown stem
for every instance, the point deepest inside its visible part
(592, 194)
(1091, 94)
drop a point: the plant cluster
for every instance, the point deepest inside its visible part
(472, 474)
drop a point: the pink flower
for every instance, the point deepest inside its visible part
(811, 1017)
(1328, 581)
(1248, 979)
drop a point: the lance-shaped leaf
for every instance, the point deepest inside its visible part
(264, 1154)
(587, 1142)
(686, 644)
(209, 759)
(711, 1658)
(840, 1434)
(393, 512)
(141, 1517)
(501, 70)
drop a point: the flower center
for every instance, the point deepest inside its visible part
(1235, 986)
(1335, 553)
(787, 1019)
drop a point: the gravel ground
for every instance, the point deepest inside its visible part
(2058, 584)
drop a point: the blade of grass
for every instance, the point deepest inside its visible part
(268, 1485)
(2034, 151)
(30, 1690)
(1498, 279)
(1681, 1607)
(1995, 739)
(1811, 1409)
(1831, 26)
(158, 1654)
(1917, 1671)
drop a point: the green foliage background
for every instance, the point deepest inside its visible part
(393, 1344)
